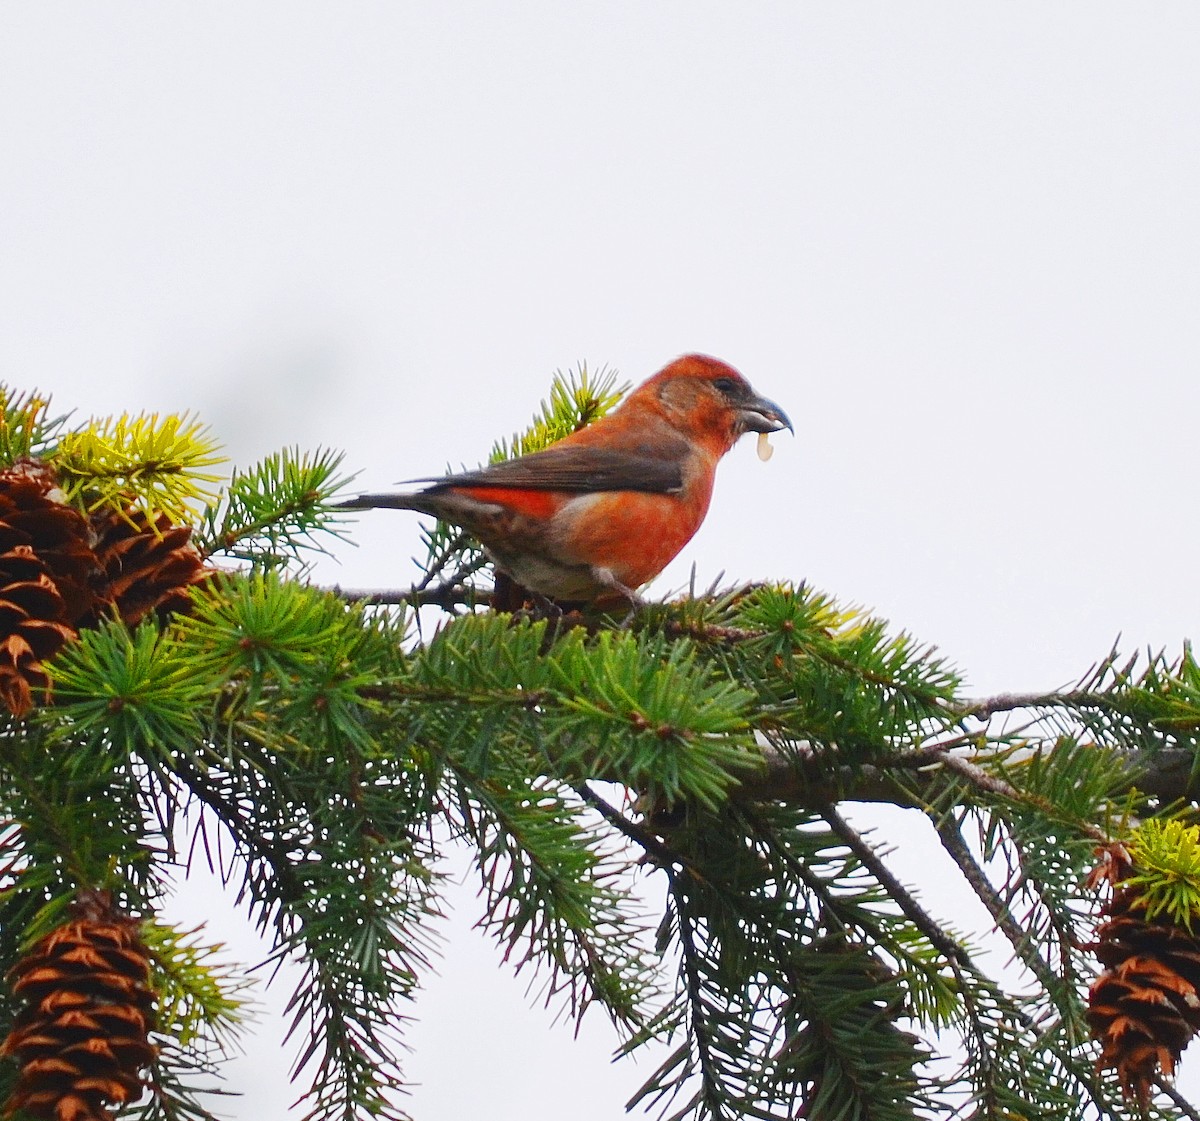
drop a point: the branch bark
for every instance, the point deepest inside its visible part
(446, 596)
(803, 777)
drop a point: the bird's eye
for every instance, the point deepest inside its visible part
(725, 385)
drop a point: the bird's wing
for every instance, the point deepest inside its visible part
(580, 469)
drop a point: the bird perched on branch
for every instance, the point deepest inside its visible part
(595, 516)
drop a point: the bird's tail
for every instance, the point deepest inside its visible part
(390, 501)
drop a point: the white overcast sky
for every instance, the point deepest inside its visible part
(959, 243)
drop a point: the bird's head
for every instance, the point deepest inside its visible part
(709, 401)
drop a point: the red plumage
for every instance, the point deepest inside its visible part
(604, 510)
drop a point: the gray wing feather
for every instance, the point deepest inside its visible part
(580, 469)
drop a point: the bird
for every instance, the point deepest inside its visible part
(598, 514)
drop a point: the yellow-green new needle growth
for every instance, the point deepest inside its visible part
(157, 463)
(1166, 856)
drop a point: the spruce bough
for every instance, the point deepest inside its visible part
(337, 751)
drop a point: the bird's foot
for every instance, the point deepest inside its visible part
(627, 622)
(540, 608)
(545, 607)
(605, 577)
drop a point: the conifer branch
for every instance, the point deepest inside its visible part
(916, 914)
(653, 845)
(712, 1092)
(445, 596)
(270, 513)
(1177, 1099)
(956, 846)
(161, 463)
(333, 746)
(805, 778)
(255, 846)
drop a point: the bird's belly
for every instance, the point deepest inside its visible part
(527, 546)
(549, 577)
(588, 541)
(632, 535)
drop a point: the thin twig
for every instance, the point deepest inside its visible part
(442, 595)
(987, 707)
(709, 632)
(653, 846)
(990, 784)
(974, 774)
(956, 845)
(1177, 1099)
(803, 778)
(461, 540)
(916, 914)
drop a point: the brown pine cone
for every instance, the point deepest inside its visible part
(1145, 1007)
(148, 566)
(81, 1038)
(48, 579)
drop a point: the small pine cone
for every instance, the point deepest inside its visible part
(149, 566)
(48, 575)
(1145, 1007)
(81, 1038)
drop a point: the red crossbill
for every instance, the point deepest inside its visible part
(605, 509)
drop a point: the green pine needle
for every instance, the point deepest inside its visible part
(26, 429)
(651, 716)
(577, 398)
(263, 625)
(134, 691)
(270, 514)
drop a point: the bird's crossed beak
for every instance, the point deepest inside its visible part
(760, 415)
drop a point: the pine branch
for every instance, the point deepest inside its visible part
(160, 463)
(654, 846)
(445, 596)
(712, 1099)
(219, 796)
(916, 914)
(26, 429)
(955, 844)
(546, 880)
(1181, 1103)
(276, 510)
(806, 777)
